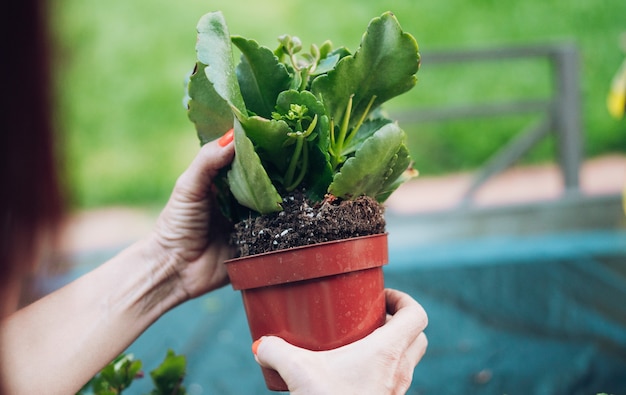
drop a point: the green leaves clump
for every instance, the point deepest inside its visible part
(309, 120)
(168, 376)
(118, 375)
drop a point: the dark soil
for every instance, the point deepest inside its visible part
(302, 223)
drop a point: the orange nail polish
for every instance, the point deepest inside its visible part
(255, 345)
(226, 138)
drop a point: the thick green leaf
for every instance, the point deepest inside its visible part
(247, 178)
(214, 49)
(261, 76)
(392, 183)
(384, 66)
(211, 115)
(269, 137)
(380, 160)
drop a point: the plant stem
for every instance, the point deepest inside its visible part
(300, 149)
(294, 61)
(332, 136)
(337, 144)
(303, 167)
(294, 161)
(361, 120)
(304, 75)
(344, 125)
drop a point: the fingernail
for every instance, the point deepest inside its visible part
(255, 345)
(226, 138)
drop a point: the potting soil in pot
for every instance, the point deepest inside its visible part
(303, 223)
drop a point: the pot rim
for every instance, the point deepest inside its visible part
(308, 262)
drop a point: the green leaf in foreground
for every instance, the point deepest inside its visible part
(115, 377)
(168, 376)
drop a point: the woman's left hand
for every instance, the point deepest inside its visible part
(191, 236)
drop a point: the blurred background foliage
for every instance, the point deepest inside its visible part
(120, 68)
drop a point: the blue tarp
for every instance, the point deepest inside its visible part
(513, 315)
(543, 314)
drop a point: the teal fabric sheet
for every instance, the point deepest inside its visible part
(508, 315)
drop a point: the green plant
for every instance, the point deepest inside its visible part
(124, 370)
(303, 120)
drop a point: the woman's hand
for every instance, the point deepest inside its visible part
(380, 363)
(191, 236)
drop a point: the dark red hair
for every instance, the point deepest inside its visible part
(30, 198)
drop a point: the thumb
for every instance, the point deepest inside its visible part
(275, 353)
(200, 173)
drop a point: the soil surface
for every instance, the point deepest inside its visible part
(302, 223)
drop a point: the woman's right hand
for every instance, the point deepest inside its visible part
(381, 363)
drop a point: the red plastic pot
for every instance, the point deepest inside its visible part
(318, 297)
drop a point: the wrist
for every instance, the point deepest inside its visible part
(161, 288)
(143, 282)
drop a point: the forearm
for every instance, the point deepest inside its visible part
(58, 343)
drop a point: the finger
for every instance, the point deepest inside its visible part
(415, 352)
(409, 358)
(275, 353)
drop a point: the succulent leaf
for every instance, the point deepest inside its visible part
(261, 76)
(247, 178)
(376, 165)
(384, 66)
(206, 108)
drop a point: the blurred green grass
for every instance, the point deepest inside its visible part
(120, 68)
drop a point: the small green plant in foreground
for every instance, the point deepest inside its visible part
(118, 375)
